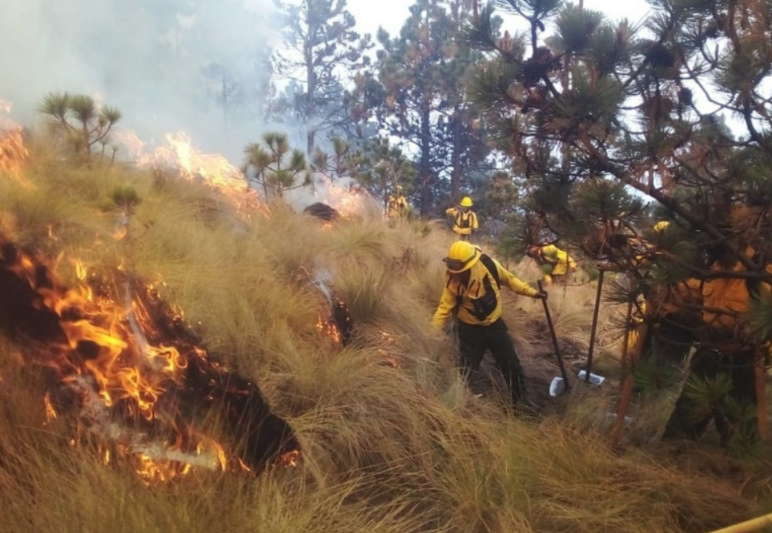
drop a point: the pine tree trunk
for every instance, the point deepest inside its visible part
(455, 175)
(86, 143)
(310, 93)
(426, 167)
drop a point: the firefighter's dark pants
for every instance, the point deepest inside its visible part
(476, 340)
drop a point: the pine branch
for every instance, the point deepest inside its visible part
(669, 203)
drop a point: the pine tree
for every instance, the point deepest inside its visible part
(322, 47)
(81, 121)
(418, 98)
(596, 110)
(616, 128)
(274, 166)
(380, 167)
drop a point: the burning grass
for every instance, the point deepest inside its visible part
(127, 372)
(391, 439)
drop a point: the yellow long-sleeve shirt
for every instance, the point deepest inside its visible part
(464, 222)
(730, 294)
(454, 287)
(559, 259)
(397, 207)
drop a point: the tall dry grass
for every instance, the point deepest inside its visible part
(393, 442)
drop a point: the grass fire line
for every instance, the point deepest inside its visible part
(132, 377)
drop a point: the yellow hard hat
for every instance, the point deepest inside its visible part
(661, 226)
(462, 256)
(399, 188)
(466, 202)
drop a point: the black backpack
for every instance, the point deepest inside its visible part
(491, 266)
(462, 221)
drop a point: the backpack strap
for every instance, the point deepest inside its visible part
(491, 266)
(463, 281)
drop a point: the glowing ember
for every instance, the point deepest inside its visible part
(338, 324)
(50, 411)
(327, 327)
(290, 459)
(387, 358)
(127, 373)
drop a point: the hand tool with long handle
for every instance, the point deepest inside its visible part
(757, 524)
(554, 339)
(594, 326)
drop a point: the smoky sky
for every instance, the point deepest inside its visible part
(163, 63)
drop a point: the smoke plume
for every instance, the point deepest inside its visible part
(163, 63)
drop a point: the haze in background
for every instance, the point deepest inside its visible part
(165, 63)
(161, 62)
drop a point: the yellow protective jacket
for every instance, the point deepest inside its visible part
(457, 296)
(397, 207)
(559, 259)
(728, 294)
(464, 222)
(674, 298)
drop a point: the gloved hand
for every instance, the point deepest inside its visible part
(541, 295)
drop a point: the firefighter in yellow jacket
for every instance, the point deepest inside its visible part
(724, 349)
(553, 262)
(397, 206)
(464, 219)
(667, 309)
(472, 295)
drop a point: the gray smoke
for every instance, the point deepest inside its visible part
(163, 63)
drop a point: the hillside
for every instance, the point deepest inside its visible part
(391, 440)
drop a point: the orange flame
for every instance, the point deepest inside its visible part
(347, 201)
(213, 169)
(122, 370)
(130, 143)
(13, 153)
(119, 369)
